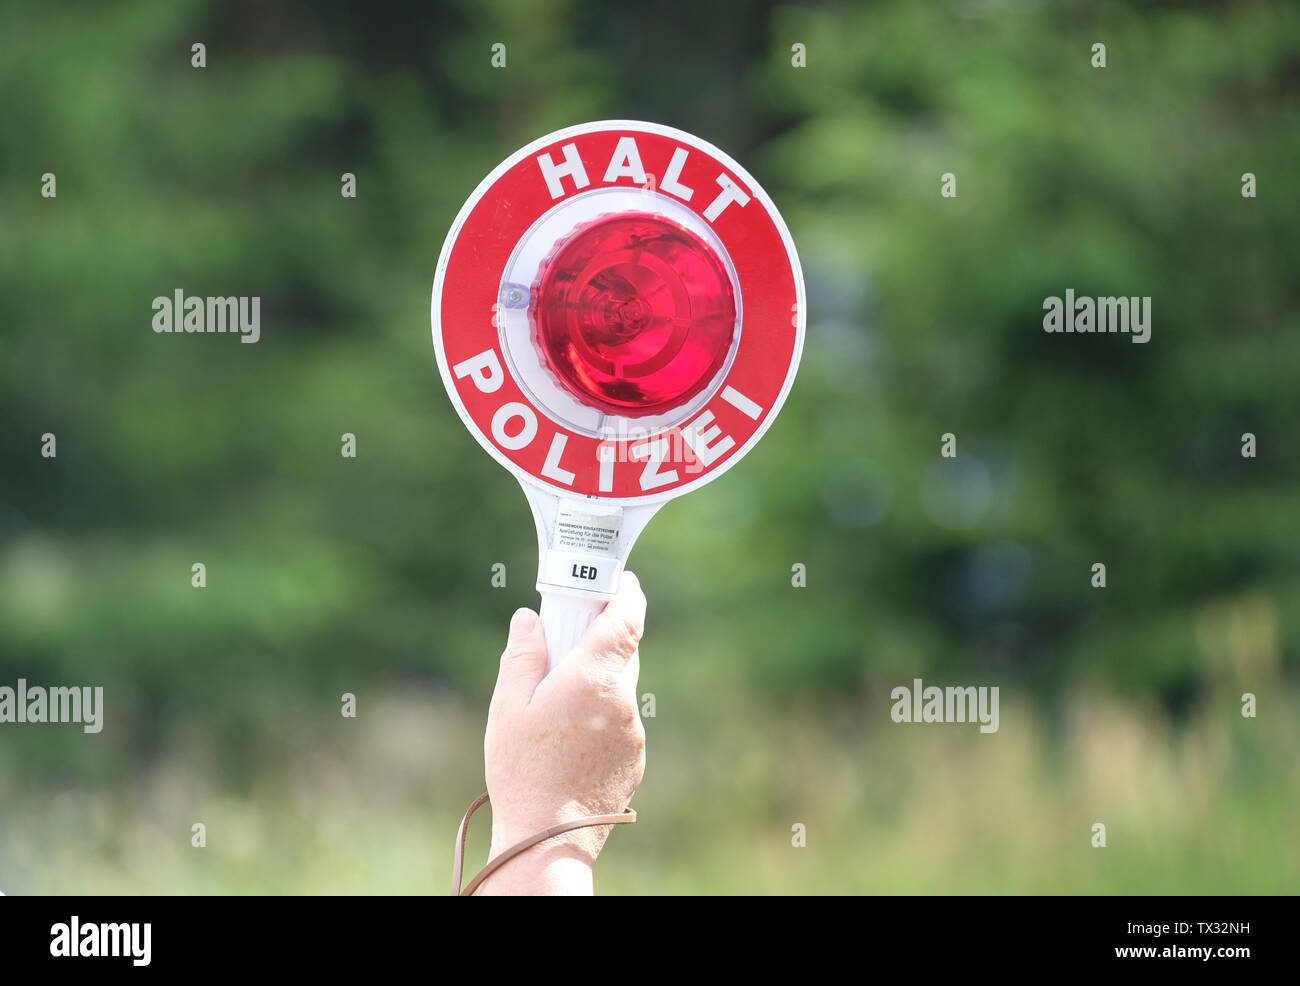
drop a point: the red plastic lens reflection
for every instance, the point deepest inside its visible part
(633, 314)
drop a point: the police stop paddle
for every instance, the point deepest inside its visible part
(618, 314)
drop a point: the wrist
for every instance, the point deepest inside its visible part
(556, 867)
(510, 827)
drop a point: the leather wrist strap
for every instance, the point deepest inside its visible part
(458, 859)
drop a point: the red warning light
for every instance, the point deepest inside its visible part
(633, 313)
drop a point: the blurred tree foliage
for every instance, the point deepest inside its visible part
(328, 574)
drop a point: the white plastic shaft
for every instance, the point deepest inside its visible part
(564, 618)
(581, 546)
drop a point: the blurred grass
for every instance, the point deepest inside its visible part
(368, 806)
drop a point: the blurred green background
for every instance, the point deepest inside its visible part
(329, 575)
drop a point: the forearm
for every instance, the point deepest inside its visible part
(552, 868)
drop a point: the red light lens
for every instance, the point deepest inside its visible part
(633, 314)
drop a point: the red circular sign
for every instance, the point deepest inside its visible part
(618, 312)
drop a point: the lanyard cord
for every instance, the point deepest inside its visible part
(458, 858)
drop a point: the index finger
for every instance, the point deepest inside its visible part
(609, 643)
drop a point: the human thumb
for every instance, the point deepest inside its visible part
(523, 662)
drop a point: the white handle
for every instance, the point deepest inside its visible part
(564, 618)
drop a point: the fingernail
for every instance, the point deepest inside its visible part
(522, 622)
